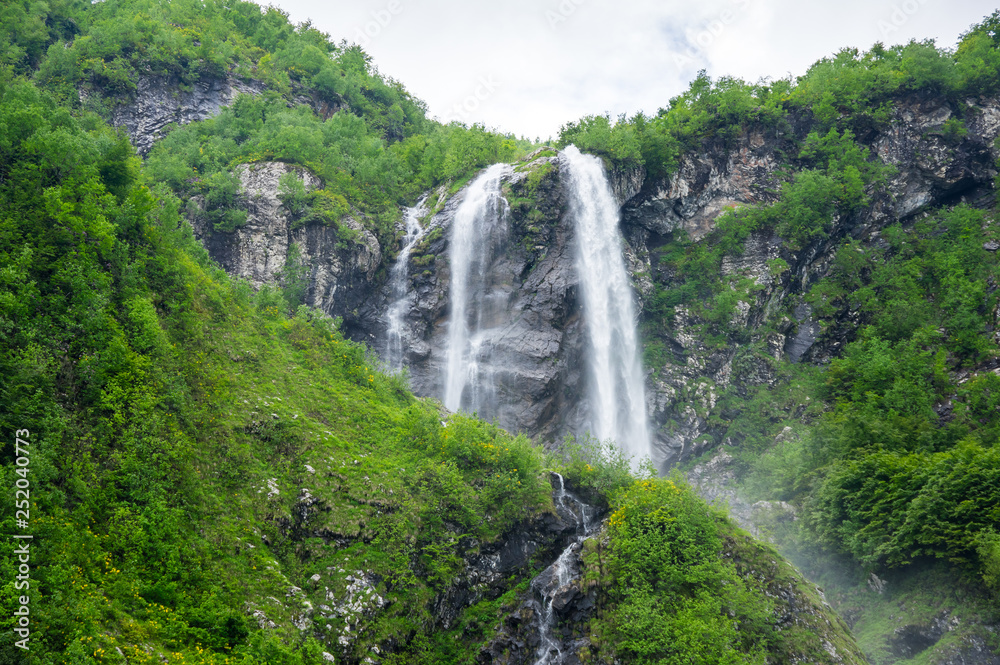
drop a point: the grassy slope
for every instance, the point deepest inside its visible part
(200, 452)
(164, 403)
(167, 403)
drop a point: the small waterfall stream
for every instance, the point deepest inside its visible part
(617, 390)
(399, 285)
(554, 579)
(478, 233)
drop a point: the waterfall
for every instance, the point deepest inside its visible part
(556, 578)
(399, 285)
(616, 381)
(478, 308)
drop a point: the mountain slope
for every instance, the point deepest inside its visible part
(216, 474)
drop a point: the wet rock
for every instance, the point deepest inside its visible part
(806, 332)
(537, 352)
(554, 617)
(488, 568)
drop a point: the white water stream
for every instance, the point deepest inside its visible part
(558, 575)
(399, 285)
(478, 308)
(617, 391)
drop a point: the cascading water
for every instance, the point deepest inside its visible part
(399, 283)
(617, 391)
(478, 308)
(557, 576)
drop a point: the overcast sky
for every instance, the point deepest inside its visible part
(528, 66)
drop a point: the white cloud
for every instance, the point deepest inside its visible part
(552, 61)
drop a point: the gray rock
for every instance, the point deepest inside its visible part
(339, 274)
(161, 101)
(537, 351)
(704, 185)
(805, 336)
(910, 640)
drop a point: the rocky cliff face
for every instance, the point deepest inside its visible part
(931, 169)
(336, 264)
(538, 376)
(540, 384)
(161, 101)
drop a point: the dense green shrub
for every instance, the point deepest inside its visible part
(891, 508)
(596, 134)
(675, 599)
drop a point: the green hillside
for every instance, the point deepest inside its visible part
(886, 445)
(197, 450)
(207, 467)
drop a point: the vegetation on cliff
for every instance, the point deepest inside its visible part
(852, 90)
(178, 422)
(383, 153)
(216, 477)
(890, 452)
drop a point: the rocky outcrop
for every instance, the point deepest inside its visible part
(933, 165)
(538, 356)
(337, 264)
(341, 603)
(488, 568)
(973, 650)
(704, 185)
(908, 641)
(161, 101)
(798, 608)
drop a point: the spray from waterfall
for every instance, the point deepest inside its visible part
(399, 285)
(478, 234)
(617, 392)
